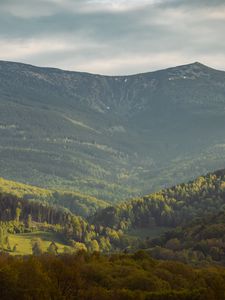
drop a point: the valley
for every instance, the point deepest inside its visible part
(184, 222)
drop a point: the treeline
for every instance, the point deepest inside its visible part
(19, 216)
(96, 277)
(76, 202)
(12, 208)
(170, 207)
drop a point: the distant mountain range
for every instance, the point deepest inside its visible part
(110, 136)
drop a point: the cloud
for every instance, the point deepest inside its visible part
(113, 37)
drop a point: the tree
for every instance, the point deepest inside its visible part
(79, 246)
(18, 213)
(53, 248)
(37, 247)
(105, 244)
(94, 246)
(29, 221)
(7, 243)
(2, 238)
(15, 248)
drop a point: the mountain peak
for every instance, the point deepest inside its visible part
(200, 65)
(18, 65)
(196, 64)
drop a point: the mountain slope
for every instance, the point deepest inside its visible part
(112, 137)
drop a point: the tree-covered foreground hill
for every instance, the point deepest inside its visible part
(112, 137)
(97, 277)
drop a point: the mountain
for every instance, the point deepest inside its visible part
(110, 136)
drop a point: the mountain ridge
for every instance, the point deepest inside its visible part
(196, 63)
(110, 137)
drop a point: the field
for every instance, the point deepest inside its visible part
(151, 233)
(23, 242)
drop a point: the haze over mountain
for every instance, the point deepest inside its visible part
(110, 136)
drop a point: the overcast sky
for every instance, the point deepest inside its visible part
(113, 36)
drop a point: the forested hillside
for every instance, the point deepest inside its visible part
(170, 207)
(201, 241)
(19, 216)
(112, 137)
(77, 203)
(192, 215)
(22, 216)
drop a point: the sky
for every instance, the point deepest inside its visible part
(113, 37)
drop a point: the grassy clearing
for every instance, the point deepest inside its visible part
(151, 233)
(23, 242)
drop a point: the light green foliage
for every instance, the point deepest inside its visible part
(94, 246)
(78, 203)
(23, 242)
(29, 221)
(18, 213)
(169, 207)
(78, 246)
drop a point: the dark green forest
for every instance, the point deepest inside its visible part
(201, 241)
(120, 276)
